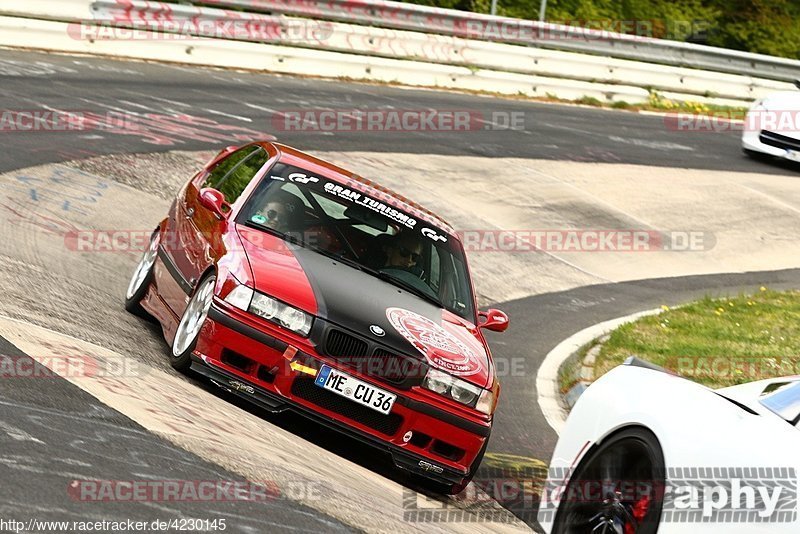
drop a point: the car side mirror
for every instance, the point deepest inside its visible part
(797, 83)
(214, 201)
(493, 320)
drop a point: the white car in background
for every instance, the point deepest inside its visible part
(772, 126)
(644, 451)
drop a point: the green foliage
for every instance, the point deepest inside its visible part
(762, 26)
(716, 341)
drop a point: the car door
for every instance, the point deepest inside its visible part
(197, 230)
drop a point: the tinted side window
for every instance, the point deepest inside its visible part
(223, 167)
(232, 174)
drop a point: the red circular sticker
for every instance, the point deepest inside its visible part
(442, 349)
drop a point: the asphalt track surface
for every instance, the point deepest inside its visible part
(248, 103)
(55, 435)
(227, 108)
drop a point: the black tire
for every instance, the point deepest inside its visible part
(191, 323)
(631, 455)
(137, 287)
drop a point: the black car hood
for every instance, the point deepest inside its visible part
(356, 301)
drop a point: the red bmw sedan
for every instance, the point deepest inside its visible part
(298, 285)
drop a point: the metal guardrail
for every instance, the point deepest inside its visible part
(403, 16)
(389, 54)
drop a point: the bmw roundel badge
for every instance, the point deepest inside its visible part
(377, 330)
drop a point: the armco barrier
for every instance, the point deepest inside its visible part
(45, 34)
(405, 16)
(606, 79)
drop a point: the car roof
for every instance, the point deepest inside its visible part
(293, 156)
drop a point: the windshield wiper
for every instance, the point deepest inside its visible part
(341, 258)
(263, 228)
(386, 277)
(276, 233)
(408, 287)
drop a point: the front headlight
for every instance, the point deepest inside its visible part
(271, 309)
(437, 381)
(277, 312)
(449, 386)
(240, 297)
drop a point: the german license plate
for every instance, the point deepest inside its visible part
(354, 389)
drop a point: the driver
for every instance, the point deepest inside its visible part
(280, 212)
(403, 252)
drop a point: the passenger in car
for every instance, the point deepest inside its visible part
(403, 251)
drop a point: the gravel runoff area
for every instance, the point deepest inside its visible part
(160, 174)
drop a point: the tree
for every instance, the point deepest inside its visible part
(763, 26)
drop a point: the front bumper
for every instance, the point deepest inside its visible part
(269, 370)
(779, 145)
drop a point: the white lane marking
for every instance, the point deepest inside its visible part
(158, 99)
(568, 128)
(92, 137)
(222, 114)
(777, 201)
(137, 105)
(656, 145)
(235, 79)
(262, 108)
(72, 461)
(17, 434)
(40, 104)
(547, 387)
(109, 106)
(173, 102)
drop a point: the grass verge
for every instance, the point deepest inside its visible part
(716, 341)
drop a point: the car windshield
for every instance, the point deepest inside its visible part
(363, 232)
(785, 401)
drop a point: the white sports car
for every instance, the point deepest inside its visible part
(645, 451)
(772, 126)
